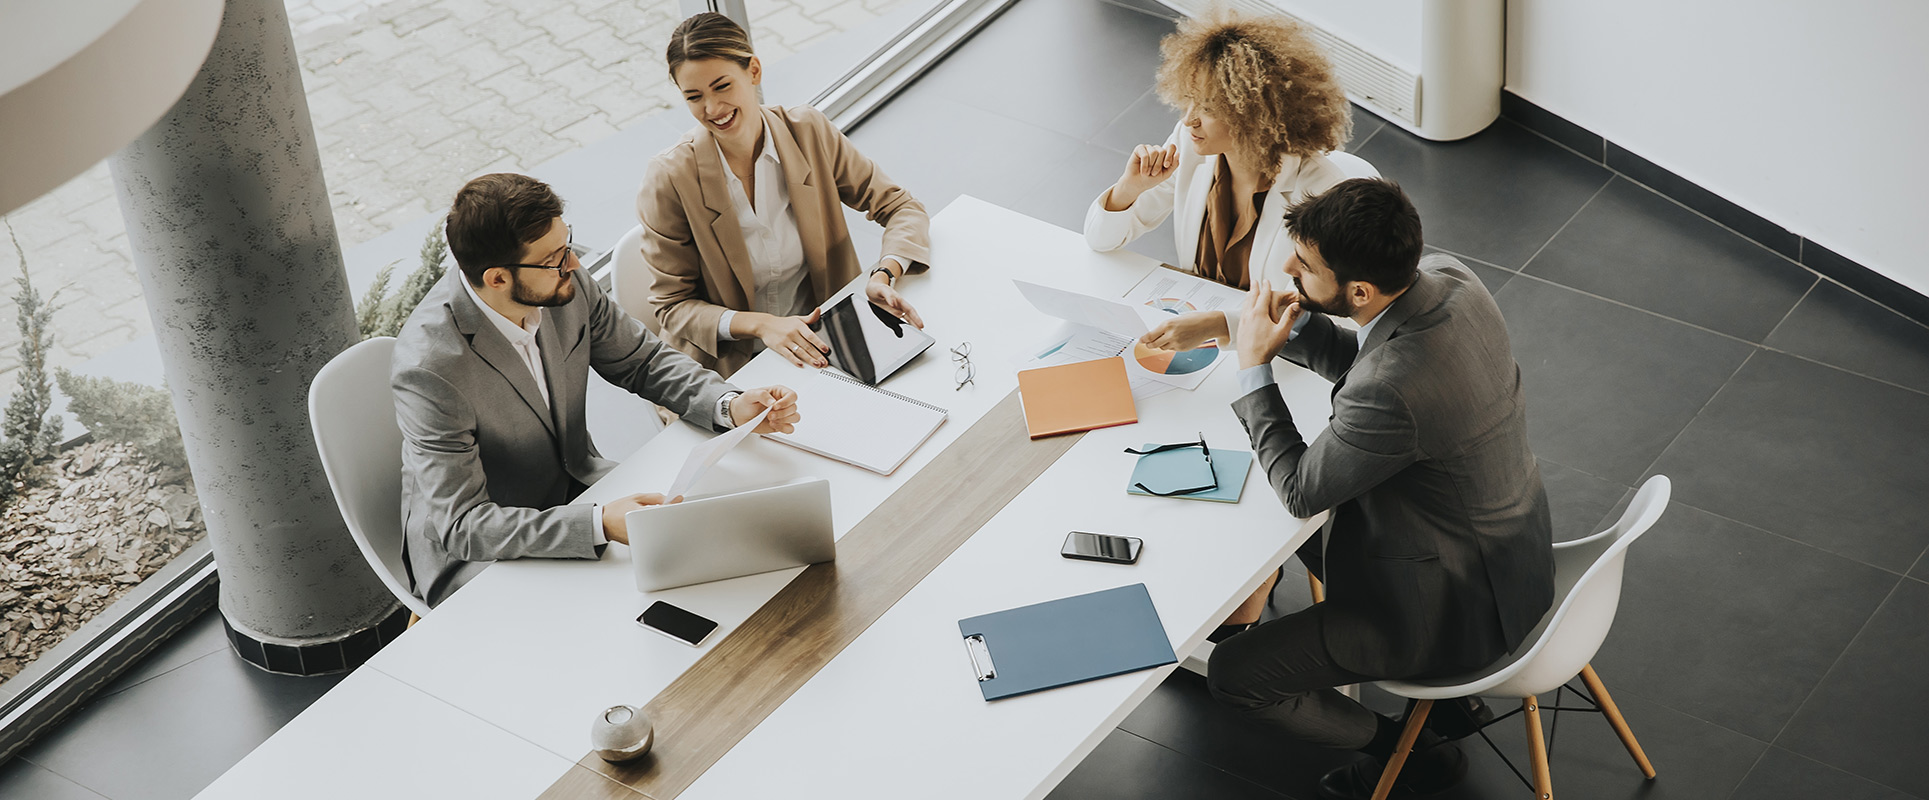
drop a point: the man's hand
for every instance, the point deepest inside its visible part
(781, 401)
(792, 338)
(615, 528)
(1187, 331)
(879, 291)
(1265, 324)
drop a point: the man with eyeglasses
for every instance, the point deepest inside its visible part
(490, 374)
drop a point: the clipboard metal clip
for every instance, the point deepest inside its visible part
(980, 657)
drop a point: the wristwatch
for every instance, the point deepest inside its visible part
(890, 278)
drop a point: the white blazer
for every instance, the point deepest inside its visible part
(1299, 178)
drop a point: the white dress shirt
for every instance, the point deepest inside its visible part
(522, 338)
(770, 235)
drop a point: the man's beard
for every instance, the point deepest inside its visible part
(1338, 306)
(561, 295)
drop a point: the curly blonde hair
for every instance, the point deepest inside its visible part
(1263, 77)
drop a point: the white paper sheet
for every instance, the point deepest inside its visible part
(1165, 293)
(1110, 316)
(706, 455)
(1074, 342)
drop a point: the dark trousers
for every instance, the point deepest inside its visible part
(1281, 674)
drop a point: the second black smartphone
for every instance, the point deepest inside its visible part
(1101, 547)
(676, 623)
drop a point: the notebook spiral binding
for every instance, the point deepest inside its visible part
(887, 392)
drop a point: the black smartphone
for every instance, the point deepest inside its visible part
(676, 623)
(1101, 547)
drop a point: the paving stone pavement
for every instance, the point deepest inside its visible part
(409, 99)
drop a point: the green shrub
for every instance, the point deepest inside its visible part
(119, 411)
(28, 434)
(380, 315)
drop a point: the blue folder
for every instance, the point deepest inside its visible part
(1066, 641)
(1181, 469)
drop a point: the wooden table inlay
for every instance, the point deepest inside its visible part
(773, 653)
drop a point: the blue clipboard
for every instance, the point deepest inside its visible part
(1066, 641)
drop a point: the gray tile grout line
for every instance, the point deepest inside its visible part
(1786, 537)
(1729, 336)
(1355, 149)
(56, 773)
(1194, 759)
(1835, 768)
(1676, 439)
(1831, 671)
(1791, 310)
(163, 673)
(1801, 241)
(1759, 757)
(1570, 220)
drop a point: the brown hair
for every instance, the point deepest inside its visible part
(707, 35)
(1263, 77)
(494, 217)
(1365, 229)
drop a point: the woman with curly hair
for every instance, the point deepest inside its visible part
(1261, 111)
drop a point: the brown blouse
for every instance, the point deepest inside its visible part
(1225, 248)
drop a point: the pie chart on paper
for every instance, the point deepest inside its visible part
(1168, 362)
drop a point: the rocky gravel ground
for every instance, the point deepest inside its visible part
(102, 518)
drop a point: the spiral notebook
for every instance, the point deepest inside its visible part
(847, 420)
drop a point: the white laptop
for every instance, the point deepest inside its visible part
(730, 535)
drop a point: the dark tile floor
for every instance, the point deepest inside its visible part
(1770, 641)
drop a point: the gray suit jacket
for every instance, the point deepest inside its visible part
(1438, 556)
(486, 466)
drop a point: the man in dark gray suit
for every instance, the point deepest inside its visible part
(490, 374)
(1437, 557)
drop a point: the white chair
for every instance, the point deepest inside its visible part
(352, 412)
(1352, 166)
(619, 422)
(1587, 590)
(629, 277)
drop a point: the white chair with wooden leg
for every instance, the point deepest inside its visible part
(1587, 590)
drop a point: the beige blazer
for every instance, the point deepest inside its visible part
(694, 248)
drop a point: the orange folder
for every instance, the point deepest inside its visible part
(1076, 397)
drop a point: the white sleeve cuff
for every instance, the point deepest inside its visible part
(723, 410)
(723, 326)
(596, 514)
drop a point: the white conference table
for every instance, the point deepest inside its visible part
(494, 692)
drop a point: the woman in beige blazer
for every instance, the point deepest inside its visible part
(1261, 111)
(743, 230)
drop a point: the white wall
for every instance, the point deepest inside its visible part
(1811, 113)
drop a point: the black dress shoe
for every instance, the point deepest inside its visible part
(1427, 772)
(1225, 632)
(1459, 718)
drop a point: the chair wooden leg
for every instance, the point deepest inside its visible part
(1537, 749)
(1620, 723)
(1408, 736)
(1319, 589)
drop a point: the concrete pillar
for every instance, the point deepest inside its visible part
(236, 248)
